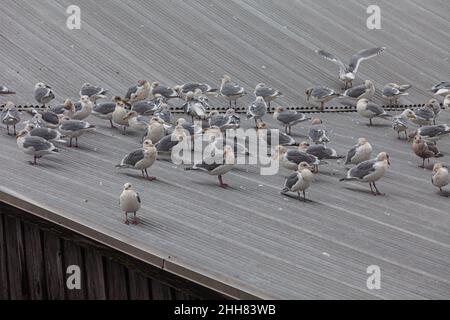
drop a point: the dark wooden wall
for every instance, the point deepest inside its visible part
(35, 254)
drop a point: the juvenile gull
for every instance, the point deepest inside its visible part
(369, 171)
(74, 129)
(269, 94)
(400, 123)
(299, 181)
(48, 134)
(291, 158)
(129, 202)
(288, 118)
(220, 164)
(119, 114)
(359, 153)
(138, 92)
(366, 90)
(166, 92)
(93, 92)
(347, 73)
(141, 159)
(231, 91)
(183, 89)
(155, 130)
(424, 115)
(320, 151)
(425, 150)
(86, 109)
(257, 110)
(5, 91)
(265, 133)
(440, 177)
(321, 94)
(136, 122)
(10, 116)
(441, 89)
(436, 107)
(317, 133)
(432, 133)
(35, 146)
(371, 110)
(393, 91)
(43, 93)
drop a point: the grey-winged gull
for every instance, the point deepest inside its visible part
(436, 107)
(371, 110)
(35, 146)
(299, 181)
(195, 107)
(164, 113)
(392, 92)
(265, 133)
(129, 202)
(165, 91)
(366, 90)
(10, 116)
(5, 91)
(424, 115)
(320, 151)
(288, 118)
(93, 92)
(268, 93)
(46, 118)
(141, 159)
(425, 150)
(257, 110)
(400, 123)
(359, 152)
(347, 72)
(166, 144)
(104, 111)
(231, 91)
(229, 120)
(220, 164)
(136, 121)
(317, 133)
(86, 109)
(48, 134)
(138, 92)
(441, 89)
(183, 89)
(369, 171)
(74, 129)
(155, 130)
(43, 93)
(321, 94)
(291, 158)
(145, 108)
(432, 133)
(440, 177)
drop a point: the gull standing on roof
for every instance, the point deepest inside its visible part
(138, 92)
(35, 146)
(299, 181)
(164, 113)
(74, 129)
(392, 92)
(371, 110)
(359, 153)
(129, 202)
(432, 133)
(145, 108)
(226, 121)
(105, 111)
(86, 109)
(155, 130)
(269, 94)
(425, 150)
(317, 133)
(424, 115)
(291, 158)
(436, 107)
(369, 171)
(257, 110)
(366, 90)
(93, 92)
(347, 73)
(441, 89)
(440, 177)
(46, 118)
(194, 107)
(136, 122)
(320, 151)
(43, 93)
(400, 123)
(48, 134)
(167, 143)
(446, 103)
(231, 91)
(321, 94)
(183, 89)
(220, 164)
(166, 92)
(119, 115)
(288, 118)
(265, 133)
(10, 116)
(141, 159)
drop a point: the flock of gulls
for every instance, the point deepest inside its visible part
(145, 108)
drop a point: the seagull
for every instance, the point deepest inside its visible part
(257, 110)
(320, 151)
(46, 118)
(447, 103)
(347, 73)
(371, 110)
(67, 108)
(217, 141)
(318, 134)
(321, 94)
(136, 122)
(164, 113)
(48, 134)
(440, 177)
(369, 171)
(94, 93)
(35, 146)
(145, 108)
(299, 181)
(10, 116)
(183, 89)
(155, 130)
(424, 115)
(138, 92)
(393, 91)
(425, 150)
(400, 122)
(231, 91)
(436, 107)
(266, 135)
(43, 93)
(269, 94)
(288, 118)
(441, 89)
(359, 153)
(5, 91)
(119, 114)
(218, 165)
(166, 144)
(74, 128)
(226, 121)
(104, 111)
(433, 133)
(141, 159)
(194, 107)
(129, 201)
(166, 92)
(291, 158)
(366, 90)
(86, 109)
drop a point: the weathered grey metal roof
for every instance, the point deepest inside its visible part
(248, 241)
